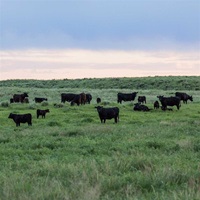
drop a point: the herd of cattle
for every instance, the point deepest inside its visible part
(104, 113)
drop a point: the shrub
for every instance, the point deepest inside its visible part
(44, 103)
(32, 106)
(4, 104)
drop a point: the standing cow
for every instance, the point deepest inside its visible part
(169, 101)
(88, 98)
(184, 97)
(126, 97)
(142, 99)
(73, 98)
(76, 99)
(21, 118)
(98, 100)
(156, 105)
(108, 113)
(67, 97)
(19, 97)
(42, 112)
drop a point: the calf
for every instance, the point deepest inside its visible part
(98, 100)
(23, 118)
(156, 105)
(108, 113)
(88, 98)
(142, 99)
(139, 107)
(42, 112)
(11, 100)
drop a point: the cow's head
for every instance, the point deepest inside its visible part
(10, 116)
(25, 94)
(98, 108)
(190, 98)
(160, 97)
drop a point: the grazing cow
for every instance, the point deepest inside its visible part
(67, 97)
(156, 105)
(76, 99)
(39, 100)
(169, 101)
(126, 97)
(19, 97)
(142, 99)
(42, 113)
(183, 96)
(22, 118)
(108, 113)
(139, 107)
(98, 100)
(88, 98)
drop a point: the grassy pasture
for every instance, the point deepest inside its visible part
(71, 155)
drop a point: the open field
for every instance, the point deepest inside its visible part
(71, 155)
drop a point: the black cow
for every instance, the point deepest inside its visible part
(183, 96)
(19, 97)
(88, 98)
(169, 101)
(67, 97)
(142, 99)
(108, 113)
(126, 97)
(139, 107)
(156, 105)
(76, 99)
(39, 100)
(22, 118)
(11, 100)
(42, 112)
(98, 100)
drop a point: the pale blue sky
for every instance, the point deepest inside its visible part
(99, 24)
(140, 27)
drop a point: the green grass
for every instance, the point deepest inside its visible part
(71, 155)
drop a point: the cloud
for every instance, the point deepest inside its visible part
(80, 63)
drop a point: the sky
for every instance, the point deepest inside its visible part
(57, 39)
